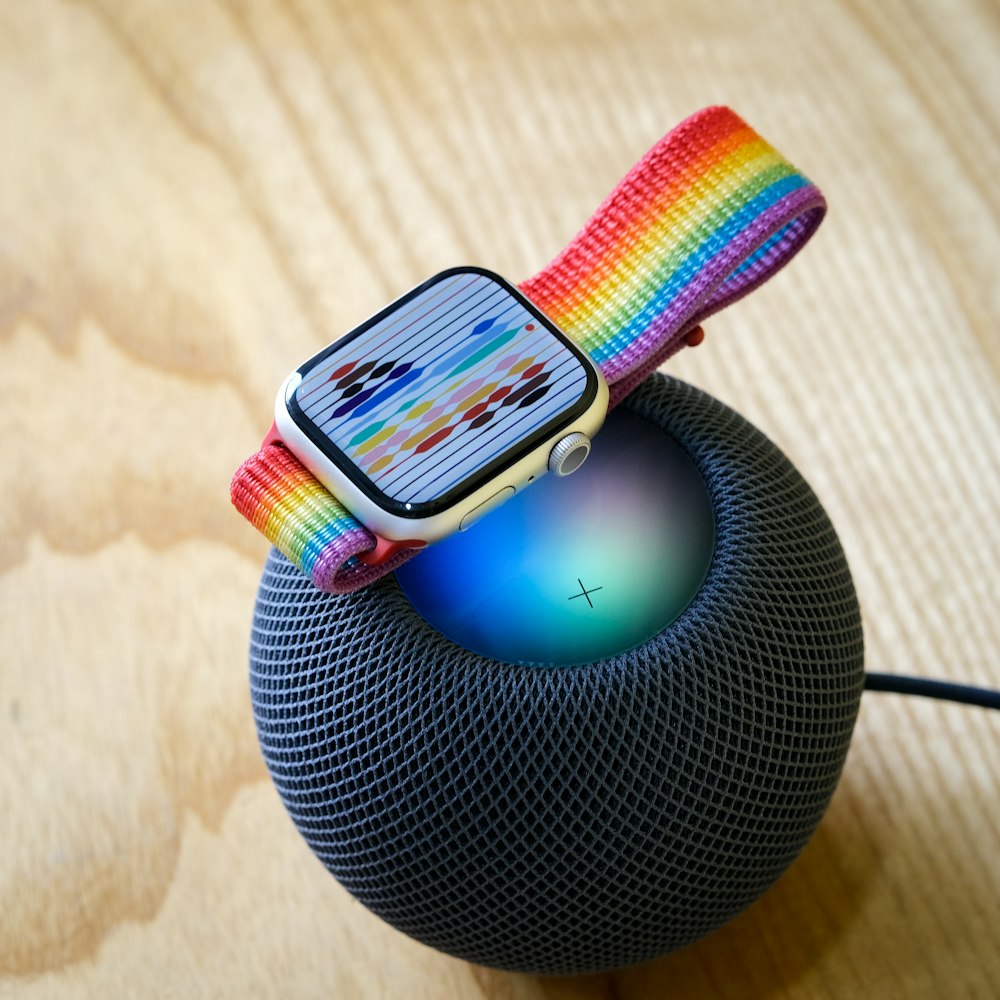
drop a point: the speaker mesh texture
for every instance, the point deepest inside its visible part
(575, 819)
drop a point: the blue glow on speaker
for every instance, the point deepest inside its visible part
(577, 569)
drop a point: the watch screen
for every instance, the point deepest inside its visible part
(453, 381)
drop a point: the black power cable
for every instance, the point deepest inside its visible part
(962, 693)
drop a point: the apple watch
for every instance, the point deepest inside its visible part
(466, 389)
(442, 405)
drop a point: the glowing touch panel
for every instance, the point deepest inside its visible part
(576, 569)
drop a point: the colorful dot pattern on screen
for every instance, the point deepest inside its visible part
(451, 380)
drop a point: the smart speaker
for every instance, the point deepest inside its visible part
(554, 813)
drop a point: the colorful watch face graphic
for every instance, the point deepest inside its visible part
(430, 398)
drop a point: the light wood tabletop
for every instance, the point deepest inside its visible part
(196, 196)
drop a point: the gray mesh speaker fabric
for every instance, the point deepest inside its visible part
(564, 820)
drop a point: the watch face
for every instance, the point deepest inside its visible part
(435, 395)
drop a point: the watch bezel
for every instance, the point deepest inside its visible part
(420, 511)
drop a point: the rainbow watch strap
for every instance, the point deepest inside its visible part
(709, 213)
(298, 515)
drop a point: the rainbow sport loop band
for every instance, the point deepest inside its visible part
(707, 215)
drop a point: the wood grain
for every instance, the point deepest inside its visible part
(197, 195)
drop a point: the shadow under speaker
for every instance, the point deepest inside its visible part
(575, 819)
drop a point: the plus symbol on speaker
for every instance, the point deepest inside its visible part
(584, 592)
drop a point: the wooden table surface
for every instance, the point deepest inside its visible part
(196, 196)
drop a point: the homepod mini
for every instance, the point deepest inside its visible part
(593, 727)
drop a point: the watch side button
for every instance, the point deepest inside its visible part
(485, 507)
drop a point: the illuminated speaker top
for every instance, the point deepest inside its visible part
(579, 568)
